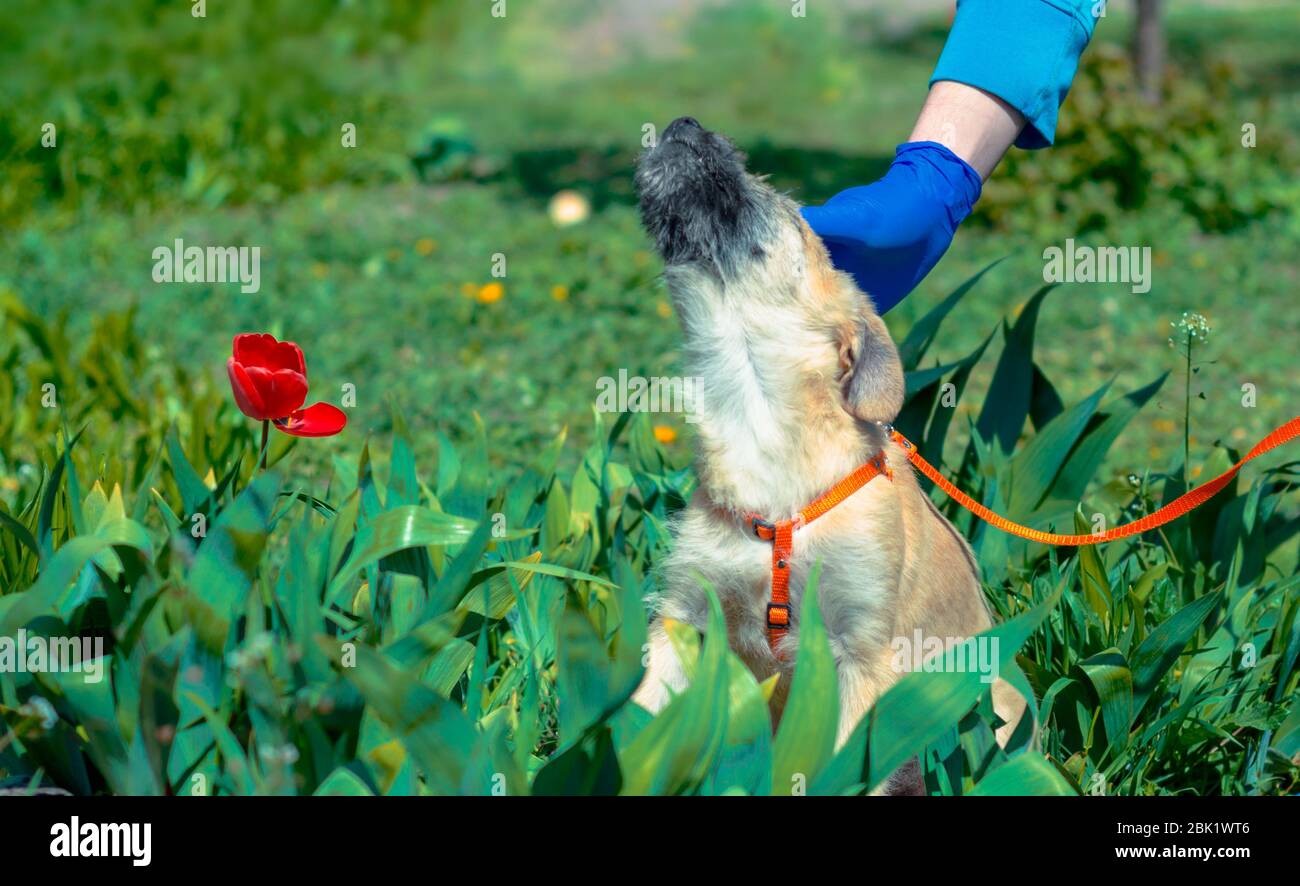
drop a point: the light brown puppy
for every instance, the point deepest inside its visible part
(795, 369)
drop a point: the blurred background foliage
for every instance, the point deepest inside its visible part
(180, 112)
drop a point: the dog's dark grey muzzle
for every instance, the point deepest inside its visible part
(697, 201)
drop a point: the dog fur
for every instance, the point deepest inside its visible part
(797, 368)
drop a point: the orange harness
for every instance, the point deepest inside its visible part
(781, 532)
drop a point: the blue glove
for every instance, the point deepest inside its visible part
(890, 233)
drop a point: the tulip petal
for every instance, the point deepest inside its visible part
(317, 420)
(261, 349)
(281, 391)
(247, 397)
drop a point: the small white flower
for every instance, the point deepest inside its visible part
(1192, 327)
(38, 706)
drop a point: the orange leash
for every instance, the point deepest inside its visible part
(1172, 511)
(781, 532)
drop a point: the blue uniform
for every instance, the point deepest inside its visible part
(1023, 51)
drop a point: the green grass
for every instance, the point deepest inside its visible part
(437, 631)
(343, 277)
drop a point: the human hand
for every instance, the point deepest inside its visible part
(890, 233)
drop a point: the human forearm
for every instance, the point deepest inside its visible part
(1003, 74)
(975, 125)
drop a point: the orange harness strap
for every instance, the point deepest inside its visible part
(781, 533)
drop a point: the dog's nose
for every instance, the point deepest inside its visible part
(681, 127)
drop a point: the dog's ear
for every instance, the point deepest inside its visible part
(872, 374)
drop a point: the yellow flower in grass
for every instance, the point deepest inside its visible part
(665, 433)
(425, 246)
(665, 310)
(560, 293)
(489, 293)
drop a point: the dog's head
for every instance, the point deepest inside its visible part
(735, 250)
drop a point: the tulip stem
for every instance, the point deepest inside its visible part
(266, 432)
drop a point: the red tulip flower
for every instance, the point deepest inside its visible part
(269, 378)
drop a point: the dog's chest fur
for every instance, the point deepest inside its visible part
(770, 439)
(858, 545)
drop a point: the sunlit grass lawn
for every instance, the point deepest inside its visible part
(383, 287)
(382, 283)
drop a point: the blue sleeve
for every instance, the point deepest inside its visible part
(1023, 51)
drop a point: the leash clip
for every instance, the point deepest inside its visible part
(891, 433)
(881, 464)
